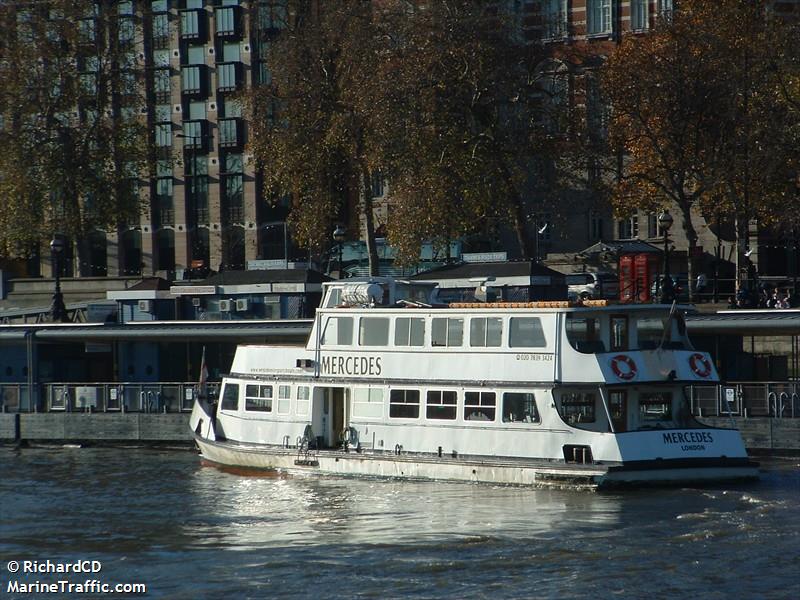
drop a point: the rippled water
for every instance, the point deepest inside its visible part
(191, 531)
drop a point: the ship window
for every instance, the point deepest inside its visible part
(479, 406)
(519, 407)
(649, 333)
(368, 402)
(619, 332)
(655, 406)
(334, 297)
(409, 331)
(584, 335)
(373, 331)
(485, 331)
(338, 331)
(302, 399)
(404, 404)
(578, 407)
(526, 332)
(447, 332)
(230, 397)
(284, 399)
(258, 398)
(441, 404)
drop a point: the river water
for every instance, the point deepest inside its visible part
(193, 531)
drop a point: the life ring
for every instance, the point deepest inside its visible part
(700, 365)
(624, 367)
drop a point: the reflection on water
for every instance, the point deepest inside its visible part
(162, 518)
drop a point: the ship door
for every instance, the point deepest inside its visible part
(329, 415)
(618, 407)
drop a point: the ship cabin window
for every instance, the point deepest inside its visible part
(334, 297)
(447, 332)
(583, 334)
(650, 333)
(258, 398)
(526, 332)
(230, 397)
(302, 399)
(404, 404)
(619, 332)
(409, 331)
(578, 407)
(338, 331)
(284, 399)
(485, 332)
(519, 407)
(441, 405)
(479, 406)
(373, 331)
(368, 402)
(655, 407)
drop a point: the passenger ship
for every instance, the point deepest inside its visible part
(393, 384)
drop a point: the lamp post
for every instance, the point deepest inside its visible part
(667, 290)
(58, 311)
(338, 236)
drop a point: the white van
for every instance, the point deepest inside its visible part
(592, 286)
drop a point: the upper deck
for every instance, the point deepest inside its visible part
(383, 329)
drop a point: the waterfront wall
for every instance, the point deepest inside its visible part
(764, 434)
(95, 427)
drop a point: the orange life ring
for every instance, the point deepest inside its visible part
(624, 367)
(700, 365)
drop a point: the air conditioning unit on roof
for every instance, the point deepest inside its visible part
(224, 306)
(242, 304)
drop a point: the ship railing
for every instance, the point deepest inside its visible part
(156, 397)
(775, 399)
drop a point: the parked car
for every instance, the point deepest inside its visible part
(592, 286)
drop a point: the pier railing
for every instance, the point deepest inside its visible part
(777, 399)
(161, 397)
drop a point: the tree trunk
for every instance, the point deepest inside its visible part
(691, 236)
(369, 220)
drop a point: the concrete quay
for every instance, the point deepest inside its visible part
(761, 435)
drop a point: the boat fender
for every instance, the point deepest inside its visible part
(398, 449)
(624, 367)
(350, 436)
(700, 365)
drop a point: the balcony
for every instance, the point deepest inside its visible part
(193, 25)
(227, 23)
(229, 76)
(230, 133)
(194, 81)
(195, 135)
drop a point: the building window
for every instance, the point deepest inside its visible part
(598, 112)
(226, 19)
(485, 331)
(258, 398)
(409, 331)
(404, 404)
(271, 14)
(228, 76)
(447, 332)
(127, 30)
(639, 14)
(373, 331)
(628, 229)
(595, 227)
(230, 397)
(665, 9)
(159, 6)
(228, 132)
(191, 80)
(190, 24)
(441, 405)
(163, 135)
(479, 406)
(555, 19)
(598, 17)
(520, 407)
(378, 185)
(652, 225)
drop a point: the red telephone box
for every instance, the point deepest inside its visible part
(636, 272)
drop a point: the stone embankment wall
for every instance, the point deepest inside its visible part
(772, 436)
(95, 427)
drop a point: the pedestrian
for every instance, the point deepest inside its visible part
(701, 284)
(783, 301)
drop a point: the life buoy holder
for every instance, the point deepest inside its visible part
(624, 367)
(700, 365)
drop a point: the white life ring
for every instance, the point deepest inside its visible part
(700, 365)
(624, 367)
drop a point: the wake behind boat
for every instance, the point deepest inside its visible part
(392, 384)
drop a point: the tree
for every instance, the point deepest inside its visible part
(310, 135)
(73, 142)
(694, 104)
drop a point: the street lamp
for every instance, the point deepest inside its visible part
(667, 290)
(58, 311)
(338, 236)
